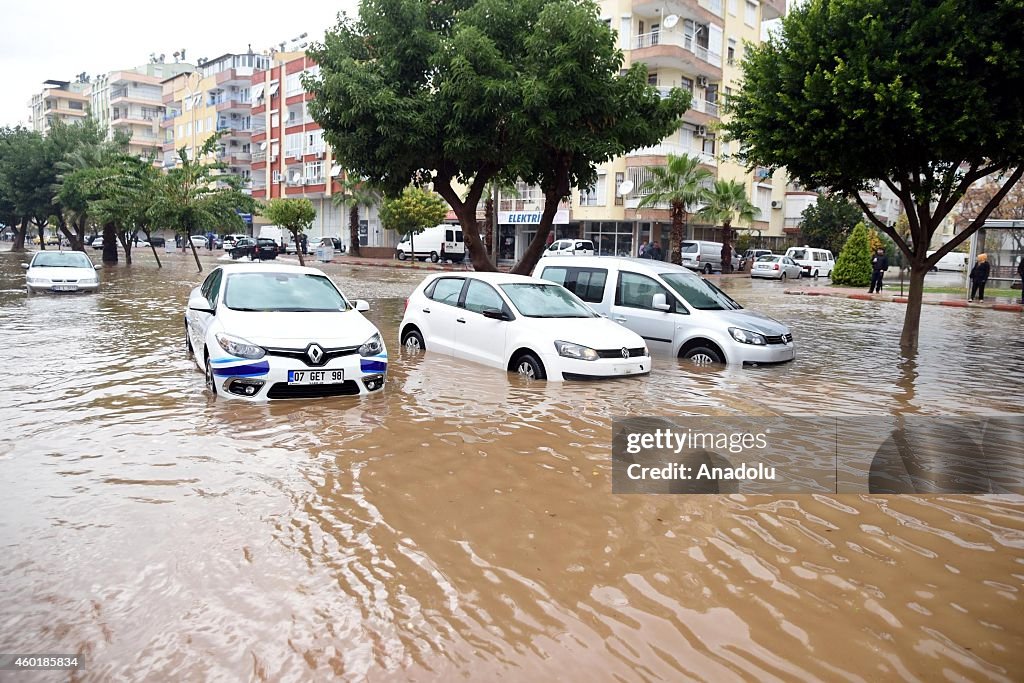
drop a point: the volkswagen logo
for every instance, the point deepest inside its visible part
(315, 353)
(625, 352)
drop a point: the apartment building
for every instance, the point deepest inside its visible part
(289, 156)
(131, 101)
(67, 101)
(691, 44)
(212, 99)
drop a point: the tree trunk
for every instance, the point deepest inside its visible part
(41, 229)
(539, 242)
(155, 255)
(675, 244)
(188, 244)
(109, 243)
(126, 244)
(353, 231)
(912, 321)
(465, 210)
(19, 236)
(726, 248)
(298, 248)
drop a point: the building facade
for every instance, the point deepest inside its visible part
(692, 44)
(290, 158)
(66, 101)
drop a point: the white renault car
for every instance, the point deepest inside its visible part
(60, 271)
(519, 324)
(269, 331)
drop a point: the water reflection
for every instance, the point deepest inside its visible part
(461, 522)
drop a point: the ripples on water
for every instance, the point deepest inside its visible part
(461, 523)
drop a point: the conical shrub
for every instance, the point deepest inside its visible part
(853, 267)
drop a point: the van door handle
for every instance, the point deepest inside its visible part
(426, 310)
(460, 320)
(619, 320)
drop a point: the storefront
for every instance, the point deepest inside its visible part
(516, 229)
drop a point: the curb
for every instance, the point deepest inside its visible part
(951, 303)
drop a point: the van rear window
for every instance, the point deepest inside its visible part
(586, 283)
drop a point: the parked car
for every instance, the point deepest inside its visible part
(436, 243)
(332, 243)
(229, 241)
(674, 310)
(569, 248)
(954, 261)
(198, 241)
(97, 242)
(60, 271)
(519, 324)
(702, 256)
(814, 262)
(90, 239)
(751, 255)
(776, 268)
(157, 241)
(279, 331)
(244, 248)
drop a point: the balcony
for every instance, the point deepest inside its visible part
(772, 9)
(125, 95)
(702, 12)
(791, 226)
(674, 148)
(257, 157)
(672, 50)
(232, 105)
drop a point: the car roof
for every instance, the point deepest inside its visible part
(639, 264)
(232, 268)
(492, 278)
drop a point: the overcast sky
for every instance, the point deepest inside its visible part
(58, 39)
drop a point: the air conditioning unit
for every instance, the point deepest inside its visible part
(700, 131)
(319, 155)
(702, 81)
(273, 158)
(776, 204)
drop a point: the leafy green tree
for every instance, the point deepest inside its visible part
(927, 97)
(680, 184)
(724, 201)
(123, 198)
(294, 215)
(412, 211)
(853, 267)
(196, 196)
(25, 181)
(459, 92)
(355, 192)
(827, 223)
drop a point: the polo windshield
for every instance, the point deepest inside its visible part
(699, 293)
(536, 300)
(282, 292)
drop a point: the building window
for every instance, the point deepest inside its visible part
(730, 52)
(315, 142)
(199, 126)
(763, 202)
(292, 85)
(750, 18)
(732, 7)
(275, 120)
(709, 144)
(74, 105)
(293, 145)
(594, 196)
(619, 178)
(686, 84)
(652, 78)
(610, 238)
(314, 172)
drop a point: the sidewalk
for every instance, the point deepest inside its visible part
(951, 300)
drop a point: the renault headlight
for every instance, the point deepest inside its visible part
(747, 337)
(372, 346)
(570, 350)
(38, 280)
(237, 346)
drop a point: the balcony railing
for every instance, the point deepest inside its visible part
(259, 156)
(684, 41)
(705, 107)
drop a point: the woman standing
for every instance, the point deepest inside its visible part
(979, 276)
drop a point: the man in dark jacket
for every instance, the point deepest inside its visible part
(879, 264)
(979, 276)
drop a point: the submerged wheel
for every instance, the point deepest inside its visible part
(703, 355)
(412, 340)
(402, 256)
(211, 382)
(707, 269)
(528, 366)
(189, 352)
(434, 258)
(782, 278)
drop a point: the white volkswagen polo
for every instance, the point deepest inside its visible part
(270, 331)
(520, 324)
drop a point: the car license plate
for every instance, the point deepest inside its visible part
(316, 376)
(64, 288)
(631, 369)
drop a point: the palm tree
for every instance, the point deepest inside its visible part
(355, 192)
(680, 184)
(726, 199)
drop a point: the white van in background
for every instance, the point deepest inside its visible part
(954, 261)
(814, 262)
(569, 248)
(436, 243)
(702, 256)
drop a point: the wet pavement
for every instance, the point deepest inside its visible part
(461, 523)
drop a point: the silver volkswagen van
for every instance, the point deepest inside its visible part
(675, 310)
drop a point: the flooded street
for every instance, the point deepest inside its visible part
(461, 522)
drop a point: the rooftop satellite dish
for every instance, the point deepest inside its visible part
(625, 187)
(335, 171)
(671, 20)
(296, 177)
(263, 146)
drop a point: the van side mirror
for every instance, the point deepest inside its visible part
(660, 303)
(198, 302)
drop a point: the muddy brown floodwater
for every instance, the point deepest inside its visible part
(461, 524)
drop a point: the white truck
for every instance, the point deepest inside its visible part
(436, 243)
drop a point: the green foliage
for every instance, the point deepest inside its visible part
(853, 267)
(680, 184)
(743, 242)
(726, 200)
(197, 197)
(464, 91)
(412, 211)
(827, 223)
(294, 215)
(354, 193)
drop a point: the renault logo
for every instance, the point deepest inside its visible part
(315, 354)
(625, 352)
